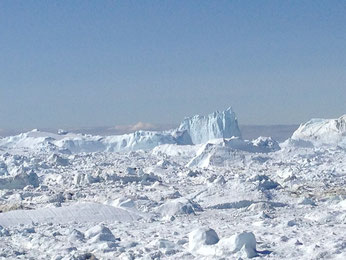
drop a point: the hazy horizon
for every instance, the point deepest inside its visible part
(277, 132)
(106, 63)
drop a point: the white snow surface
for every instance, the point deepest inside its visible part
(156, 195)
(79, 212)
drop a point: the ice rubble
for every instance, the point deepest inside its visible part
(205, 242)
(19, 180)
(86, 200)
(222, 151)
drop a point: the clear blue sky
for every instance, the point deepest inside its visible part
(95, 63)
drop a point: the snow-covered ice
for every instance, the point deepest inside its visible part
(196, 192)
(323, 131)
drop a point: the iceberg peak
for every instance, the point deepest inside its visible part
(216, 125)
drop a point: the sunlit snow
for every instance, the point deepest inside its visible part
(196, 192)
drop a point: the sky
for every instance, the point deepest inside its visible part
(98, 63)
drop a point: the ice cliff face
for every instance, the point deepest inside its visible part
(323, 131)
(216, 125)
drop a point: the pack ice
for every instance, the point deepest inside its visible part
(199, 191)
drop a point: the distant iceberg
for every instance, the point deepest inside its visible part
(214, 126)
(323, 132)
(193, 130)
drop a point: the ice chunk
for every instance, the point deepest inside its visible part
(76, 235)
(124, 202)
(243, 241)
(99, 233)
(205, 241)
(179, 206)
(4, 232)
(202, 236)
(58, 160)
(19, 181)
(266, 144)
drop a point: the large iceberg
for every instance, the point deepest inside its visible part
(323, 132)
(193, 130)
(217, 125)
(77, 143)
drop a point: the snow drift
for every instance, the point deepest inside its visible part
(80, 212)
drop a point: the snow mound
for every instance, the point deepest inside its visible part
(265, 145)
(205, 242)
(99, 233)
(323, 131)
(202, 236)
(219, 152)
(179, 206)
(79, 212)
(245, 241)
(76, 235)
(144, 140)
(216, 125)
